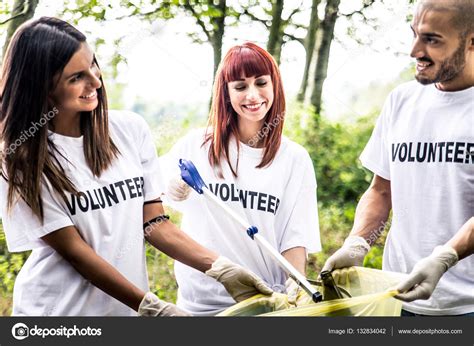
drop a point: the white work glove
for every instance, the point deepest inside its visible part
(351, 253)
(178, 190)
(425, 275)
(293, 291)
(239, 282)
(151, 305)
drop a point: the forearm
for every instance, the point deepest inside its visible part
(297, 257)
(168, 238)
(372, 211)
(463, 240)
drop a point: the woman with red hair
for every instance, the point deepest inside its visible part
(247, 163)
(80, 187)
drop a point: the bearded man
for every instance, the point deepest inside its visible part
(422, 155)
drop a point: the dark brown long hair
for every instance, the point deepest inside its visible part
(36, 55)
(246, 60)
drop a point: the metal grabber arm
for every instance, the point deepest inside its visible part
(191, 176)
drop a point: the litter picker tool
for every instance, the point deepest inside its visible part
(191, 176)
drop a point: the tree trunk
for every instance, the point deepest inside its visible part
(310, 43)
(320, 74)
(216, 40)
(217, 37)
(22, 11)
(276, 33)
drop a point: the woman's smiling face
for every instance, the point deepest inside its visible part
(76, 88)
(251, 98)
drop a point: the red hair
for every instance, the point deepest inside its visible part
(246, 60)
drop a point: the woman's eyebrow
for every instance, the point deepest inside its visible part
(78, 72)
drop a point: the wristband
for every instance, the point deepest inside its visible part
(153, 201)
(159, 219)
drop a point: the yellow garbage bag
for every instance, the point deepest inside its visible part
(369, 289)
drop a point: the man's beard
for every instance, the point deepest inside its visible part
(449, 69)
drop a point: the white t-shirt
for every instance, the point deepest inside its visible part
(424, 144)
(108, 215)
(280, 200)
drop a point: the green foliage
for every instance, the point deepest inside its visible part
(334, 148)
(334, 227)
(374, 258)
(160, 268)
(85, 8)
(161, 274)
(4, 10)
(169, 129)
(10, 265)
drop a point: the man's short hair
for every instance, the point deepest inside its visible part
(463, 13)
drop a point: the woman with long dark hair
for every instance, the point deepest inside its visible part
(81, 187)
(260, 174)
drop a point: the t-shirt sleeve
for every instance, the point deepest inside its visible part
(153, 182)
(23, 229)
(375, 156)
(302, 227)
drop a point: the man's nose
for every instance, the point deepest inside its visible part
(417, 49)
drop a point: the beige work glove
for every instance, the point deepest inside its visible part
(426, 274)
(151, 305)
(351, 253)
(293, 291)
(178, 190)
(239, 282)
